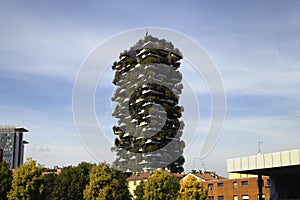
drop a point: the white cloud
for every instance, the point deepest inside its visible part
(42, 148)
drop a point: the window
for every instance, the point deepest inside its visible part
(210, 186)
(210, 197)
(235, 197)
(244, 183)
(245, 197)
(220, 197)
(220, 185)
(234, 184)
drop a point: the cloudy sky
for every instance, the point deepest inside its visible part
(254, 44)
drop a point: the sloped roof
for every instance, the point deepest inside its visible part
(146, 175)
(207, 176)
(139, 176)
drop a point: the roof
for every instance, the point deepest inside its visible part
(55, 173)
(25, 142)
(22, 129)
(139, 176)
(146, 175)
(207, 176)
(265, 163)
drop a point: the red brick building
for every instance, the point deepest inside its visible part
(236, 189)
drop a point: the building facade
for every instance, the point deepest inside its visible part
(136, 180)
(283, 168)
(148, 85)
(12, 145)
(236, 189)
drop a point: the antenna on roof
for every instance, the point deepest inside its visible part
(259, 146)
(203, 168)
(146, 32)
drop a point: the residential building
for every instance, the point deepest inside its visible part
(205, 176)
(235, 189)
(136, 179)
(12, 145)
(149, 129)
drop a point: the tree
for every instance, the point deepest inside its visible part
(5, 180)
(48, 182)
(27, 182)
(139, 191)
(191, 189)
(106, 183)
(160, 185)
(70, 184)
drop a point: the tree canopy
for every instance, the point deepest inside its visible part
(106, 183)
(191, 189)
(27, 182)
(5, 179)
(70, 184)
(162, 186)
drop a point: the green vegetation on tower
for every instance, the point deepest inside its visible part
(148, 112)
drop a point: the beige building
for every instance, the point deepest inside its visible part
(136, 179)
(283, 168)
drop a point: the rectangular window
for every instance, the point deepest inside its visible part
(210, 186)
(244, 183)
(245, 197)
(220, 197)
(235, 197)
(234, 185)
(220, 185)
(210, 197)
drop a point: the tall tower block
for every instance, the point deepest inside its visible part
(148, 85)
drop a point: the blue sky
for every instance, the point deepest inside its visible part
(254, 44)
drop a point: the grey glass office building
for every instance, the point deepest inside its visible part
(12, 145)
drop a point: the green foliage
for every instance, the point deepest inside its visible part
(139, 191)
(191, 189)
(106, 183)
(27, 182)
(70, 184)
(161, 186)
(5, 180)
(48, 182)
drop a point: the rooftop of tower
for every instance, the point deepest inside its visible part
(21, 129)
(150, 41)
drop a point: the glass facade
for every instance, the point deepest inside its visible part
(11, 145)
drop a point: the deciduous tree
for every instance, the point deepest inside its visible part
(5, 180)
(49, 182)
(160, 185)
(139, 191)
(71, 183)
(27, 182)
(106, 183)
(191, 189)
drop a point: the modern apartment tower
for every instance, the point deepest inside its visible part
(148, 85)
(12, 145)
